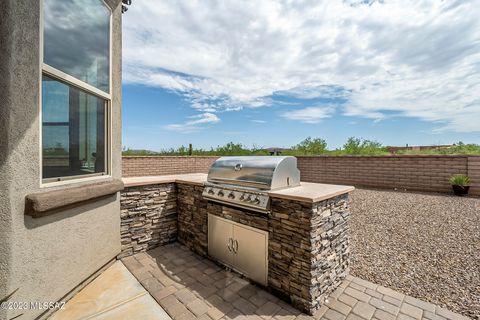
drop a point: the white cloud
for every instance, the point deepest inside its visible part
(309, 114)
(258, 121)
(204, 118)
(193, 124)
(418, 58)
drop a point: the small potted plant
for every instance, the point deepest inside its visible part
(460, 184)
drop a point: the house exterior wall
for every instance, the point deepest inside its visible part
(417, 173)
(45, 258)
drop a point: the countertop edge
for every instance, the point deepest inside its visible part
(145, 183)
(323, 197)
(190, 182)
(151, 180)
(194, 179)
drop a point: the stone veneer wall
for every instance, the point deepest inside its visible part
(148, 217)
(309, 249)
(308, 243)
(192, 218)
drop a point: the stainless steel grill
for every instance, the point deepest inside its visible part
(245, 181)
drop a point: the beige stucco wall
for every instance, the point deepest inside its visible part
(46, 257)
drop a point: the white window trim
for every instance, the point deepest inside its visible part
(64, 77)
(46, 69)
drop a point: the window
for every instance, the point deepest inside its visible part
(77, 40)
(73, 136)
(75, 89)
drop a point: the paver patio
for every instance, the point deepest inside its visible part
(188, 286)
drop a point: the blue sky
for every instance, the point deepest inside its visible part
(272, 73)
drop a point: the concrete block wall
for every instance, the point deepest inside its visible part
(473, 172)
(415, 173)
(158, 166)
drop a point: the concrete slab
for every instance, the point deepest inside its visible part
(144, 307)
(116, 292)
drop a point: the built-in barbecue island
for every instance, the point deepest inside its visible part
(253, 215)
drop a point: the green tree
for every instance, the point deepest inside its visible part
(358, 146)
(232, 149)
(311, 146)
(352, 146)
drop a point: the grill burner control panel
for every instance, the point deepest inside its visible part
(249, 199)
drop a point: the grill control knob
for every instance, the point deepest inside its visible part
(256, 200)
(231, 195)
(220, 193)
(210, 191)
(242, 197)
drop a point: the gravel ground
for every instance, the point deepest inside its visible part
(424, 245)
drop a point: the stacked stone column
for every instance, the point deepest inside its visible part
(148, 217)
(308, 250)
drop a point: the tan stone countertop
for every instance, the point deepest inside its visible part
(306, 192)
(191, 178)
(311, 192)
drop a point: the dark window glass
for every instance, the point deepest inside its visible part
(73, 131)
(77, 39)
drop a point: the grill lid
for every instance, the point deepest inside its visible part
(264, 172)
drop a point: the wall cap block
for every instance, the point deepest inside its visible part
(46, 202)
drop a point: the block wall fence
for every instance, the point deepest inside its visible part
(417, 173)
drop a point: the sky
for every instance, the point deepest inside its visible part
(271, 73)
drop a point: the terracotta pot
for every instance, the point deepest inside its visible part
(460, 190)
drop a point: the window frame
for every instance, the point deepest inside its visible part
(45, 69)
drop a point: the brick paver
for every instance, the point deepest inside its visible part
(411, 311)
(364, 310)
(198, 307)
(188, 286)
